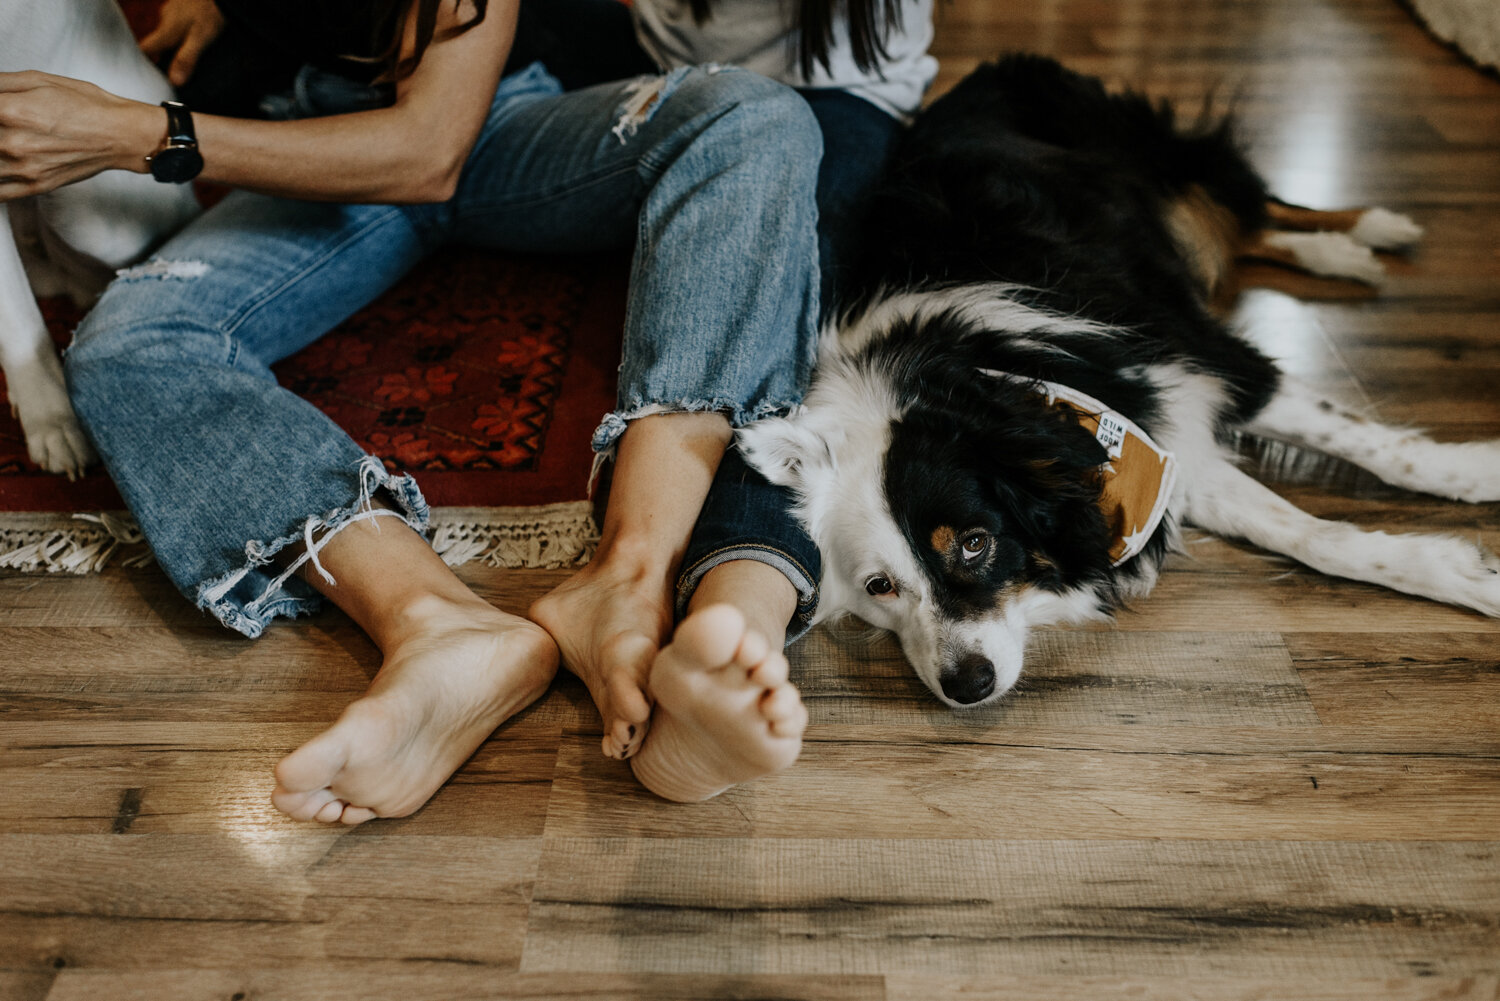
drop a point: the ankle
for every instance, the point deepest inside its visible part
(423, 611)
(763, 595)
(632, 561)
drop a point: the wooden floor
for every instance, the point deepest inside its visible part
(1260, 784)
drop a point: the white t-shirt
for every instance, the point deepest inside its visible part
(758, 35)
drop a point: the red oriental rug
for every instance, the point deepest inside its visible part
(481, 374)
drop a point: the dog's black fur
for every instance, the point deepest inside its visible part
(1031, 174)
(1035, 225)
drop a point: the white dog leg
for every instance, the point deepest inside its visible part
(1225, 501)
(33, 374)
(1467, 471)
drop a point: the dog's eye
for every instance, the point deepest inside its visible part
(880, 586)
(974, 545)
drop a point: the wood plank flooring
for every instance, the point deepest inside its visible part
(1258, 784)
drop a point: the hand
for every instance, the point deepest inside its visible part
(55, 130)
(186, 27)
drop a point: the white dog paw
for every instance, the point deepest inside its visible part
(1383, 229)
(1336, 255)
(1483, 592)
(54, 440)
(61, 448)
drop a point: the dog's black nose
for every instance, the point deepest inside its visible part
(971, 680)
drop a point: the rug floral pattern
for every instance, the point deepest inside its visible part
(460, 368)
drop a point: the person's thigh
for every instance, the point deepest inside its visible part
(566, 172)
(857, 140)
(262, 277)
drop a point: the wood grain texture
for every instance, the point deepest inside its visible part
(1014, 906)
(1258, 784)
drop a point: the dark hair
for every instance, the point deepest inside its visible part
(870, 22)
(387, 18)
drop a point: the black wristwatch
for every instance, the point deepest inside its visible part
(177, 161)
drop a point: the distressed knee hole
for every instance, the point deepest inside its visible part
(163, 270)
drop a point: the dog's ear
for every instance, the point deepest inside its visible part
(784, 450)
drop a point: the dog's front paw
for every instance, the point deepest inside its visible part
(54, 440)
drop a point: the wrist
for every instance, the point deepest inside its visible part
(143, 126)
(177, 160)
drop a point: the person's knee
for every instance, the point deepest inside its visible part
(119, 345)
(778, 117)
(764, 117)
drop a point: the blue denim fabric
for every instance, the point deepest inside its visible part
(712, 183)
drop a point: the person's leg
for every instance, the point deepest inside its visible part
(229, 474)
(698, 168)
(748, 551)
(857, 141)
(454, 668)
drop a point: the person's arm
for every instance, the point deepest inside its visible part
(54, 130)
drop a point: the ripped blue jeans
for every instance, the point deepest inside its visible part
(709, 175)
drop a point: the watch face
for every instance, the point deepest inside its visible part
(176, 164)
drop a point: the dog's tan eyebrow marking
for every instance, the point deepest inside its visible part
(943, 538)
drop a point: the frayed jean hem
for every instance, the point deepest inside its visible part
(804, 583)
(229, 597)
(607, 435)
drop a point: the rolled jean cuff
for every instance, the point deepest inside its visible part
(805, 583)
(248, 598)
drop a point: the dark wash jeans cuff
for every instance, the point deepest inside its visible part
(799, 576)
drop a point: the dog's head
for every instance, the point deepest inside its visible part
(954, 509)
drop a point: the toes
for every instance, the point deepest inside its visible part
(711, 636)
(332, 811)
(357, 815)
(302, 805)
(789, 728)
(754, 649)
(314, 765)
(627, 701)
(771, 672)
(782, 708)
(623, 739)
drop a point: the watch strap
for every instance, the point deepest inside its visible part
(179, 124)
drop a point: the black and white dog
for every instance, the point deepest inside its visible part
(1029, 395)
(71, 241)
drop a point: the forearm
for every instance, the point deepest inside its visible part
(385, 155)
(56, 131)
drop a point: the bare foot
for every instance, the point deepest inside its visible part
(442, 690)
(609, 628)
(725, 711)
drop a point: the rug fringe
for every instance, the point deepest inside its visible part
(549, 537)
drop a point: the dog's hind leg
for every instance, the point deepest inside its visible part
(1377, 228)
(1338, 244)
(1223, 500)
(33, 373)
(1466, 471)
